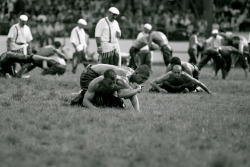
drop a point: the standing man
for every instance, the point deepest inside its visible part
(107, 34)
(77, 38)
(19, 37)
(193, 47)
(161, 40)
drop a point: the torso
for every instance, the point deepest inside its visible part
(159, 38)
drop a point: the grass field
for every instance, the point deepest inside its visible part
(39, 128)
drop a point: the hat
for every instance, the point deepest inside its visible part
(215, 31)
(23, 18)
(147, 26)
(114, 10)
(82, 21)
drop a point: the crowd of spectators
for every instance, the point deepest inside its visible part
(49, 18)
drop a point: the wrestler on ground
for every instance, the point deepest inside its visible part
(161, 40)
(8, 59)
(125, 77)
(58, 67)
(101, 92)
(189, 68)
(176, 81)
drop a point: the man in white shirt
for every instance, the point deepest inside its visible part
(77, 38)
(107, 34)
(212, 47)
(19, 37)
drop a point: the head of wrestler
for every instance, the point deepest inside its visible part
(177, 71)
(23, 20)
(235, 40)
(81, 23)
(140, 75)
(175, 61)
(113, 13)
(57, 44)
(109, 80)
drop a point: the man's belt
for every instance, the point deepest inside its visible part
(19, 43)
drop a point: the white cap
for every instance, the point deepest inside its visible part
(82, 21)
(147, 26)
(114, 10)
(23, 18)
(215, 31)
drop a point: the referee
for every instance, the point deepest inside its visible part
(107, 34)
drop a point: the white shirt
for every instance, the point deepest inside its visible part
(77, 37)
(213, 43)
(102, 30)
(142, 34)
(20, 34)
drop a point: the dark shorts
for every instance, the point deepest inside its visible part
(167, 53)
(55, 68)
(86, 77)
(243, 61)
(8, 59)
(99, 100)
(107, 100)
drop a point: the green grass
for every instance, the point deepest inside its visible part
(39, 128)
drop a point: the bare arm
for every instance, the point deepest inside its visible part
(135, 103)
(29, 49)
(89, 95)
(8, 44)
(131, 95)
(203, 86)
(59, 53)
(155, 83)
(98, 44)
(128, 93)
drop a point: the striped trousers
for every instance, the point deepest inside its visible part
(111, 57)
